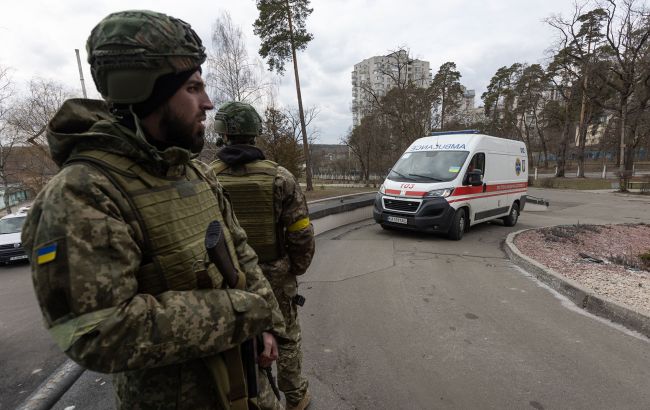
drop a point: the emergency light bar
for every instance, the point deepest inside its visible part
(455, 132)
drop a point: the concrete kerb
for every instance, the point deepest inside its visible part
(358, 206)
(583, 298)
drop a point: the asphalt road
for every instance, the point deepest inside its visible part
(27, 353)
(398, 320)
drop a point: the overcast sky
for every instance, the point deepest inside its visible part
(38, 38)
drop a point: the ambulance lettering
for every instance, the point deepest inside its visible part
(430, 147)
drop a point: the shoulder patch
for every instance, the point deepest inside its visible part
(46, 254)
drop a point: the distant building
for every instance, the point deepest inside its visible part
(381, 73)
(467, 104)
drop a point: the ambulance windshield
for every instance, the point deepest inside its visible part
(428, 166)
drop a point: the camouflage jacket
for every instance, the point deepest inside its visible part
(293, 219)
(156, 340)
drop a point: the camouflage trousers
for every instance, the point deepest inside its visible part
(290, 379)
(266, 398)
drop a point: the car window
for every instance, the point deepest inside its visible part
(11, 225)
(428, 166)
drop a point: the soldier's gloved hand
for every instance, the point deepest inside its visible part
(270, 353)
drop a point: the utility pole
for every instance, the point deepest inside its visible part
(81, 73)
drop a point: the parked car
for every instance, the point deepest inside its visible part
(11, 247)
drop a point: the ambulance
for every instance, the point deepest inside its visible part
(450, 181)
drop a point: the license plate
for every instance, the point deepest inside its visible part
(397, 219)
(16, 258)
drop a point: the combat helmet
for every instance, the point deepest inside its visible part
(129, 50)
(237, 119)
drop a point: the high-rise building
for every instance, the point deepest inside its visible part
(374, 77)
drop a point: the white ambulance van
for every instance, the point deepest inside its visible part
(451, 180)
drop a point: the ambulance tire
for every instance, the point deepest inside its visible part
(458, 225)
(513, 216)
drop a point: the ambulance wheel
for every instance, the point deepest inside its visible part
(511, 219)
(458, 225)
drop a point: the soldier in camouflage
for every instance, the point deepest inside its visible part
(116, 238)
(272, 209)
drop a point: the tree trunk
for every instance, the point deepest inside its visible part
(542, 140)
(6, 195)
(564, 141)
(582, 132)
(303, 127)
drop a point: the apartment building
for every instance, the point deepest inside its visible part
(375, 76)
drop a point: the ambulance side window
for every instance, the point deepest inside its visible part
(477, 163)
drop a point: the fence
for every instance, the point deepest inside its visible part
(356, 177)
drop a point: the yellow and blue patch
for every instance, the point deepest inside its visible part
(46, 254)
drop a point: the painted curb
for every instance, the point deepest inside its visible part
(582, 297)
(54, 387)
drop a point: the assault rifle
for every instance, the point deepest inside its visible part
(215, 245)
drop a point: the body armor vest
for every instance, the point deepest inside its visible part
(250, 189)
(169, 217)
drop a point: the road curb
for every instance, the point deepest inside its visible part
(582, 297)
(61, 380)
(340, 204)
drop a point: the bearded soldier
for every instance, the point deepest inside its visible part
(271, 208)
(116, 238)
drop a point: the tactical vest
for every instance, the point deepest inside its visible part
(250, 189)
(169, 217)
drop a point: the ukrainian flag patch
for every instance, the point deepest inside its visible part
(46, 254)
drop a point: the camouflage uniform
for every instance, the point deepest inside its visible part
(291, 206)
(298, 249)
(84, 241)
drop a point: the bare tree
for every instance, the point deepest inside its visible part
(36, 108)
(370, 143)
(8, 136)
(628, 36)
(280, 142)
(608, 44)
(404, 102)
(578, 51)
(311, 113)
(29, 118)
(232, 74)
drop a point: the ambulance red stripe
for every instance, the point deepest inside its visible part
(486, 196)
(467, 190)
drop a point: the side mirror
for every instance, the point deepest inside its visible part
(475, 178)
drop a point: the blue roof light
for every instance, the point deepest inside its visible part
(456, 132)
